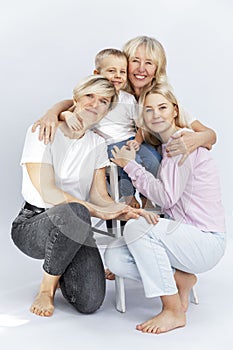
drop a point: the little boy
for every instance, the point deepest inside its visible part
(118, 127)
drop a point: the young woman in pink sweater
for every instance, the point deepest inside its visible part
(190, 239)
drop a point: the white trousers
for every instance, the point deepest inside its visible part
(151, 253)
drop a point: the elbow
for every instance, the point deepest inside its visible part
(52, 197)
(169, 202)
(214, 137)
(166, 206)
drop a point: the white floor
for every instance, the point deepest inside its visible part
(209, 324)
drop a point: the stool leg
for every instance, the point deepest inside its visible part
(193, 296)
(114, 182)
(119, 281)
(116, 227)
(120, 294)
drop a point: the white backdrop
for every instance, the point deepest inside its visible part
(48, 45)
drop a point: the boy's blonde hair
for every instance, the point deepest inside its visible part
(167, 92)
(98, 85)
(154, 51)
(106, 53)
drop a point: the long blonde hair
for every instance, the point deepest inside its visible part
(166, 91)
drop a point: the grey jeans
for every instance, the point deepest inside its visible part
(62, 236)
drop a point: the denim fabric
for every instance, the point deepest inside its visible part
(62, 236)
(147, 156)
(150, 253)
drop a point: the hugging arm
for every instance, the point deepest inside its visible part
(207, 136)
(186, 142)
(49, 122)
(73, 121)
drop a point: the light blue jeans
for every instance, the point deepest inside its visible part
(151, 253)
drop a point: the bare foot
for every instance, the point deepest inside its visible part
(132, 202)
(109, 275)
(184, 281)
(146, 203)
(43, 304)
(165, 321)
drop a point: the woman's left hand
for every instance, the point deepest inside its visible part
(111, 211)
(183, 143)
(150, 216)
(123, 156)
(73, 121)
(135, 144)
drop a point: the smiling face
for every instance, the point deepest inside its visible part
(141, 69)
(92, 108)
(159, 116)
(115, 70)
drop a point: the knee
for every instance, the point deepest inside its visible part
(111, 259)
(152, 165)
(85, 303)
(73, 220)
(135, 230)
(90, 306)
(81, 211)
(70, 212)
(115, 258)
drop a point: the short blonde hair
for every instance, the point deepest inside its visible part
(106, 53)
(166, 91)
(154, 51)
(98, 85)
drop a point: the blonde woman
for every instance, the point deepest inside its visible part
(146, 66)
(190, 239)
(63, 186)
(119, 125)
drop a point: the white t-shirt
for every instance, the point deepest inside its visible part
(189, 119)
(119, 124)
(74, 162)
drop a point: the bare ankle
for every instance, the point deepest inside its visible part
(185, 282)
(49, 284)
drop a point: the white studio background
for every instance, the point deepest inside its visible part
(48, 45)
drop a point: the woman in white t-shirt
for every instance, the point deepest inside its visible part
(63, 186)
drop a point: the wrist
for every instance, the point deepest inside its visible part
(126, 162)
(62, 116)
(52, 113)
(138, 142)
